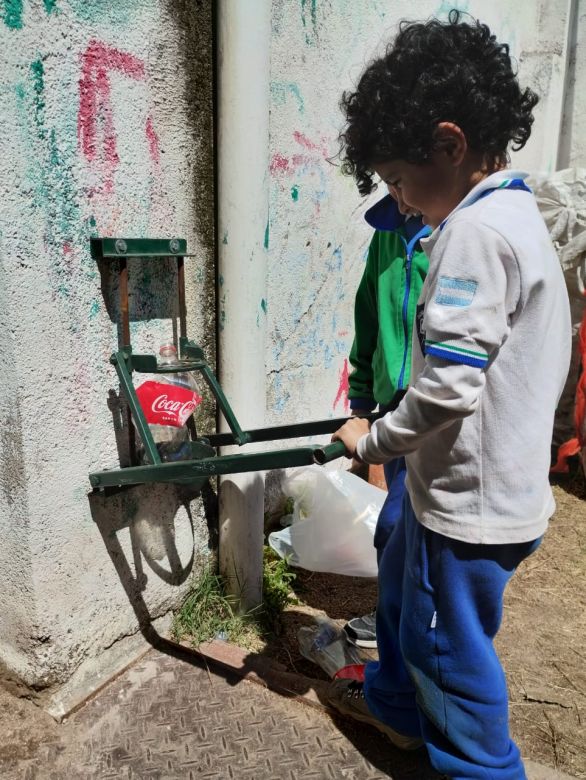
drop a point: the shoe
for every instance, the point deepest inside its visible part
(361, 631)
(347, 696)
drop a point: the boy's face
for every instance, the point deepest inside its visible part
(421, 189)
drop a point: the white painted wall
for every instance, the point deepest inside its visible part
(105, 129)
(318, 239)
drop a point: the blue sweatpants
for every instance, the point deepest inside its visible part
(438, 676)
(395, 473)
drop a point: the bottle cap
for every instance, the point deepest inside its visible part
(167, 349)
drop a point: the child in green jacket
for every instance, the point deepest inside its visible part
(384, 313)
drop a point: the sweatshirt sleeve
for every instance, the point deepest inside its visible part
(472, 291)
(365, 336)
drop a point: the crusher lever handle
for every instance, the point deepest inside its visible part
(332, 451)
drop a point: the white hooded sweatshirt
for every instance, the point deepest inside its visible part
(491, 351)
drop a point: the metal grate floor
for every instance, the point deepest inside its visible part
(167, 718)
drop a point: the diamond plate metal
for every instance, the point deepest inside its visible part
(165, 718)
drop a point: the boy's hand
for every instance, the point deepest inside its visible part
(350, 433)
(359, 468)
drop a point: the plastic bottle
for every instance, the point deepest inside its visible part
(168, 401)
(326, 645)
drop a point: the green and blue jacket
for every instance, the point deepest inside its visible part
(385, 306)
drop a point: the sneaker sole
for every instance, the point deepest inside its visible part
(398, 740)
(368, 644)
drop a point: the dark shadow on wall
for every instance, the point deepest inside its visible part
(190, 27)
(139, 529)
(152, 289)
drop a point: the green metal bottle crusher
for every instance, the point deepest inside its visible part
(204, 461)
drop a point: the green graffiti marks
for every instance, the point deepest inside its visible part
(101, 11)
(264, 305)
(266, 241)
(55, 187)
(94, 11)
(282, 90)
(446, 6)
(295, 193)
(38, 79)
(313, 12)
(50, 152)
(12, 14)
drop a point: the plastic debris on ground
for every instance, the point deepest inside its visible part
(326, 645)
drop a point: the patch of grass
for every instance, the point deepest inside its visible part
(277, 580)
(209, 612)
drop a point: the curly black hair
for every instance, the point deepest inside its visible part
(434, 72)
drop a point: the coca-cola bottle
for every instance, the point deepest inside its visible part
(168, 401)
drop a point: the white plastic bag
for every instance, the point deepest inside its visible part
(334, 518)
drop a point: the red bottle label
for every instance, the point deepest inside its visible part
(165, 404)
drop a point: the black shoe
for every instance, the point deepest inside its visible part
(361, 631)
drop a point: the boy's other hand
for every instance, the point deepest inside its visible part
(350, 433)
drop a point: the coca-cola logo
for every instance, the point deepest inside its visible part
(181, 410)
(165, 404)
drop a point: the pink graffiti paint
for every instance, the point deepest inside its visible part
(342, 333)
(343, 388)
(289, 165)
(306, 142)
(95, 116)
(153, 139)
(278, 163)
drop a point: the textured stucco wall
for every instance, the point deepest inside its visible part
(317, 237)
(105, 129)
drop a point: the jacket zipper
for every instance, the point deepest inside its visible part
(410, 247)
(404, 312)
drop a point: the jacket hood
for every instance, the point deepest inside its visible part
(385, 215)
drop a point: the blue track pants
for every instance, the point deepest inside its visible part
(438, 675)
(395, 473)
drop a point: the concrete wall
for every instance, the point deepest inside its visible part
(318, 239)
(105, 129)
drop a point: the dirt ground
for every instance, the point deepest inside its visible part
(23, 725)
(542, 642)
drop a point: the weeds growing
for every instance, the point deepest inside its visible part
(209, 612)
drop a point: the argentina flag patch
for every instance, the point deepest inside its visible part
(455, 292)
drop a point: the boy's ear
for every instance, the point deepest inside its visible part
(449, 138)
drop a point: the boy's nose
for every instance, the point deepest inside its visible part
(400, 202)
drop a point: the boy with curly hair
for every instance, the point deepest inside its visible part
(434, 118)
